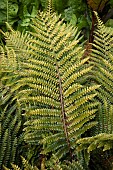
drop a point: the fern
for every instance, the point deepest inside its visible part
(72, 166)
(42, 71)
(53, 164)
(57, 106)
(26, 165)
(10, 111)
(102, 59)
(10, 126)
(103, 140)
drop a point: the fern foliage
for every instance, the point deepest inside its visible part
(102, 73)
(41, 80)
(10, 111)
(53, 164)
(10, 117)
(57, 107)
(102, 140)
(25, 164)
(102, 59)
(45, 80)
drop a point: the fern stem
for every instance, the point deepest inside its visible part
(63, 111)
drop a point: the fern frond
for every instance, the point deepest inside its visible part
(10, 128)
(45, 85)
(102, 58)
(101, 73)
(16, 40)
(15, 167)
(10, 116)
(103, 140)
(50, 6)
(72, 165)
(26, 164)
(54, 164)
(102, 61)
(53, 95)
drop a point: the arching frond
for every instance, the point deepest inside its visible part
(42, 73)
(103, 140)
(102, 59)
(102, 73)
(56, 104)
(10, 112)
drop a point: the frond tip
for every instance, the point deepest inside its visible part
(50, 7)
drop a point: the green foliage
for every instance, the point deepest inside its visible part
(53, 164)
(50, 91)
(19, 14)
(43, 70)
(54, 93)
(26, 166)
(8, 11)
(111, 2)
(10, 112)
(102, 59)
(27, 10)
(76, 14)
(103, 140)
(109, 23)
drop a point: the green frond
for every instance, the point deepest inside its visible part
(9, 133)
(102, 61)
(8, 62)
(73, 68)
(53, 94)
(50, 6)
(42, 71)
(16, 40)
(103, 140)
(15, 167)
(54, 163)
(26, 166)
(9, 111)
(72, 166)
